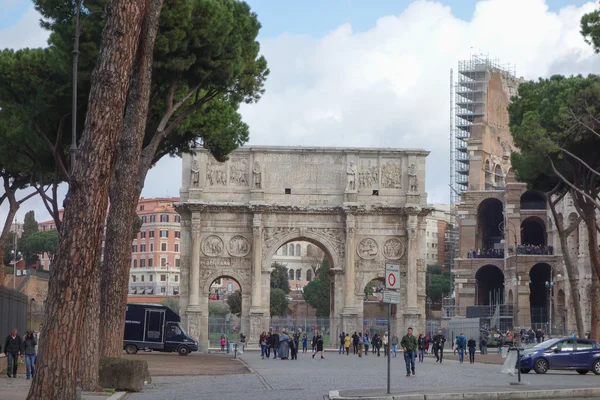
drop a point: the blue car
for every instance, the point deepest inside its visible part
(581, 355)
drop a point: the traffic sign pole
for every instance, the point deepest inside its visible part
(389, 362)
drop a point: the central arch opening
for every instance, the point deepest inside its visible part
(533, 232)
(532, 200)
(538, 293)
(490, 286)
(225, 305)
(489, 218)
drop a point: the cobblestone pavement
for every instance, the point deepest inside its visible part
(311, 379)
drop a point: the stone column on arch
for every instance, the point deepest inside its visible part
(257, 308)
(349, 313)
(194, 310)
(412, 267)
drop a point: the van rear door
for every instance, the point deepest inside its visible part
(155, 322)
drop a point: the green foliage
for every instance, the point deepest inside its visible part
(590, 29)
(10, 246)
(172, 303)
(234, 301)
(41, 242)
(370, 288)
(30, 225)
(217, 309)
(437, 283)
(318, 291)
(278, 303)
(280, 278)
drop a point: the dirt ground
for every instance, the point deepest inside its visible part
(172, 364)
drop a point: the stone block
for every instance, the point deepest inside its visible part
(513, 395)
(124, 375)
(444, 396)
(409, 397)
(481, 396)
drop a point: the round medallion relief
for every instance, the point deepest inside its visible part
(367, 248)
(238, 246)
(393, 249)
(212, 246)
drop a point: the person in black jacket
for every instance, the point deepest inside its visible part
(275, 343)
(355, 343)
(472, 345)
(13, 347)
(438, 346)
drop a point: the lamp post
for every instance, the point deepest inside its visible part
(168, 277)
(550, 286)
(30, 309)
(517, 280)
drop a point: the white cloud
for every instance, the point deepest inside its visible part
(389, 86)
(26, 32)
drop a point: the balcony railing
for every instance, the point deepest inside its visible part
(533, 205)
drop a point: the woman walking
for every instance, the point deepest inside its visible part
(263, 344)
(304, 343)
(366, 343)
(29, 349)
(421, 343)
(472, 344)
(360, 345)
(319, 341)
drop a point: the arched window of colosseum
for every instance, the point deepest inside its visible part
(498, 176)
(298, 274)
(298, 251)
(284, 248)
(291, 249)
(309, 274)
(291, 274)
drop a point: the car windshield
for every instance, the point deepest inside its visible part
(547, 343)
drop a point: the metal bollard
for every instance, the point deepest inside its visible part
(518, 350)
(227, 346)
(235, 347)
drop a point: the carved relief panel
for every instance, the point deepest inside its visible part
(391, 174)
(368, 175)
(238, 246)
(238, 172)
(367, 248)
(216, 173)
(212, 246)
(393, 249)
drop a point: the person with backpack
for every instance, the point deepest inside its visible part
(342, 337)
(461, 346)
(360, 344)
(366, 343)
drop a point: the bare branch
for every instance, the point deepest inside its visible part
(583, 123)
(581, 192)
(580, 160)
(53, 150)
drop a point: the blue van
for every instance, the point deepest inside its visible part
(155, 327)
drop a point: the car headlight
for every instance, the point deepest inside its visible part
(196, 343)
(525, 356)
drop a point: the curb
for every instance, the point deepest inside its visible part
(509, 395)
(118, 396)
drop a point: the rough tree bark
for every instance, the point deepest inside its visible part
(85, 207)
(572, 271)
(124, 195)
(589, 212)
(89, 358)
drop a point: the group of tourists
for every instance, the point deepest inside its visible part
(486, 253)
(530, 249)
(16, 348)
(285, 346)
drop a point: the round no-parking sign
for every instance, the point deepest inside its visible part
(392, 276)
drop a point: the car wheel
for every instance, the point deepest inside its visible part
(541, 366)
(183, 351)
(525, 370)
(583, 371)
(596, 367)
(131, 349)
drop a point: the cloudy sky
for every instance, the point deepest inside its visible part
(371, 73)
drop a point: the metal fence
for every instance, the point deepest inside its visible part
(13, 311)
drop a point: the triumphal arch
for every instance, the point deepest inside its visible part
(363, 207)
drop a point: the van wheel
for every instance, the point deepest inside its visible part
(131, 349)
(183, 351)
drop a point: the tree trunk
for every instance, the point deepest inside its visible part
(89, 361)
(12, 211)
(85, 207)
(124, 193)
(571, 270)
(589, 213)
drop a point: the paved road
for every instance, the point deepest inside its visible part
(311, 379)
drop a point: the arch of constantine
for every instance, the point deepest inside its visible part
(363, 207)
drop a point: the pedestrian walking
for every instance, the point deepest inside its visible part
(394, 342)
(472, 345)
(275, 342)
(347, 342)
(304, 343)
(409, 346)
(223, 341)
(355, 343)
(29, 345)
(500, 344)
(342, 338)
(360, 345)
(427, 344)
(461, 346)
(439, 341)
(319, 343)
(263, 344)
(293, 350)
(269, 342)
(378, 345)
(284, 345)
(374, 342)
(421, 343)
(385, 341)
(483, 345)
(13, 347)
(366, 343)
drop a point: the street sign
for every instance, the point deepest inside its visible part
(392, 276)
(391, 297)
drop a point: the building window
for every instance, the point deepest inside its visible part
(309, 275)
(153, 218)
(177, 262)
(178, 218)
(176, 278)
(141, 208)
(134, 248)
(163, 247)
(143, 234)
(164, 233)
(142, 279)
(162, 289)
(144, 219)
(133, 278)
(291, 274)
(298, 252)
(142, 248)
(291, 249)
(163, 278)
(285, 250)
(150, 262)
(142, 263)
(163, 262)
(151, 247)
(151, 234)
(134, 263)
(177, 235)
(150, 278)
(298, 274)
(176, 247)
(164, 218)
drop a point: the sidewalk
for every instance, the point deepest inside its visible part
(495, 393)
